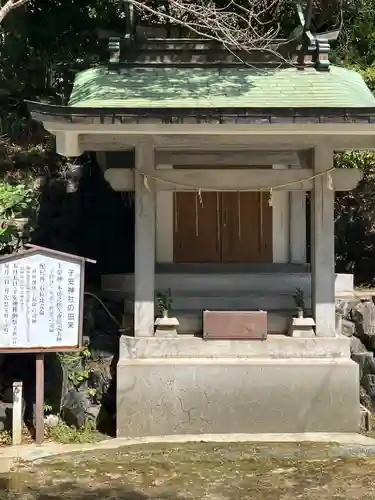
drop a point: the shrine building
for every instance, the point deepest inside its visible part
(230, 156)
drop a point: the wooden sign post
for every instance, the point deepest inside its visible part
(39, 398)
(41, 309)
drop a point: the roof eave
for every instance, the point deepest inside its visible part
(51, 113)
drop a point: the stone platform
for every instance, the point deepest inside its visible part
(234, 287)
(188, 386)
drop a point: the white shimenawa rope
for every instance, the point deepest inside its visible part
(270, 188)
(200, 189)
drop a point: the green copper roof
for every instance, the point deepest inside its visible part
(243, 87)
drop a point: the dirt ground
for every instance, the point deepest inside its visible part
(197, 471)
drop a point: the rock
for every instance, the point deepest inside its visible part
(363, 357)
(342, 307)
(56, 385)
(84, 398)
(366, 362)
(7, 395)
(104, 345)
(92, 412)
(6, 410)
(74, 408)
(368, 382)
(2, 358)
(77, 409)
(344, 323)
(347, 328)
(357, 346)
(363, 315)
(52, 420)
(365, 399)
(6, 414)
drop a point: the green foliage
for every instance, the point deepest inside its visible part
(43, 45)
(62, 433)
(78, 367)
(16, 202)
(357, 41)
(355, 210)
(368, 75)
(5, 438)
(355, 219)
(164, 300)
(47, 408)
(299, 299)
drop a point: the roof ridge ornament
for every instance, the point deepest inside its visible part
(315, 45)
(129, 20)
(114, 43)
(114, 49)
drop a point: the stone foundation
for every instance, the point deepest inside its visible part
(188, 386)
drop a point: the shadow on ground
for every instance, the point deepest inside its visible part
(12, 489)
(197, 471)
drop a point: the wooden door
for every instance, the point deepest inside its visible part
(196, 227)
(246, 227)
(226, 227)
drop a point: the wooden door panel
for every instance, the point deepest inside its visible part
(239, 243)
(227, 227)
(246, 231)
(196, 230)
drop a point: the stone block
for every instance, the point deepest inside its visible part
(218, 396)
(302, 327)
(347, 328)
(166, 327)
(274, 347)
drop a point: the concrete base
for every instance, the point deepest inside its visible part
(274, 347)
(218, 395)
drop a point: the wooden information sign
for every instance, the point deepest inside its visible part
(41, 309)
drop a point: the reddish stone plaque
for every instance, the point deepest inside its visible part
(234, 325)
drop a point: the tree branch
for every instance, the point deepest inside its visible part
(249, 25)
(244, 24)
(9, 6)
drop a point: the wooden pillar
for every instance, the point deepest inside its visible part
(144, 251)
(322, 245)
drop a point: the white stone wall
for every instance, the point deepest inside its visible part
(280, 226)
(164, 226)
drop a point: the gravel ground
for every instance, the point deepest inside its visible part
(197, 471)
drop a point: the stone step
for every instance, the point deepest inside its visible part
(232, 293)
(191, 321)
(243, 302)
(255, 282)
(248, 282)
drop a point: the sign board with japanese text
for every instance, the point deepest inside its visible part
(41, 301)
